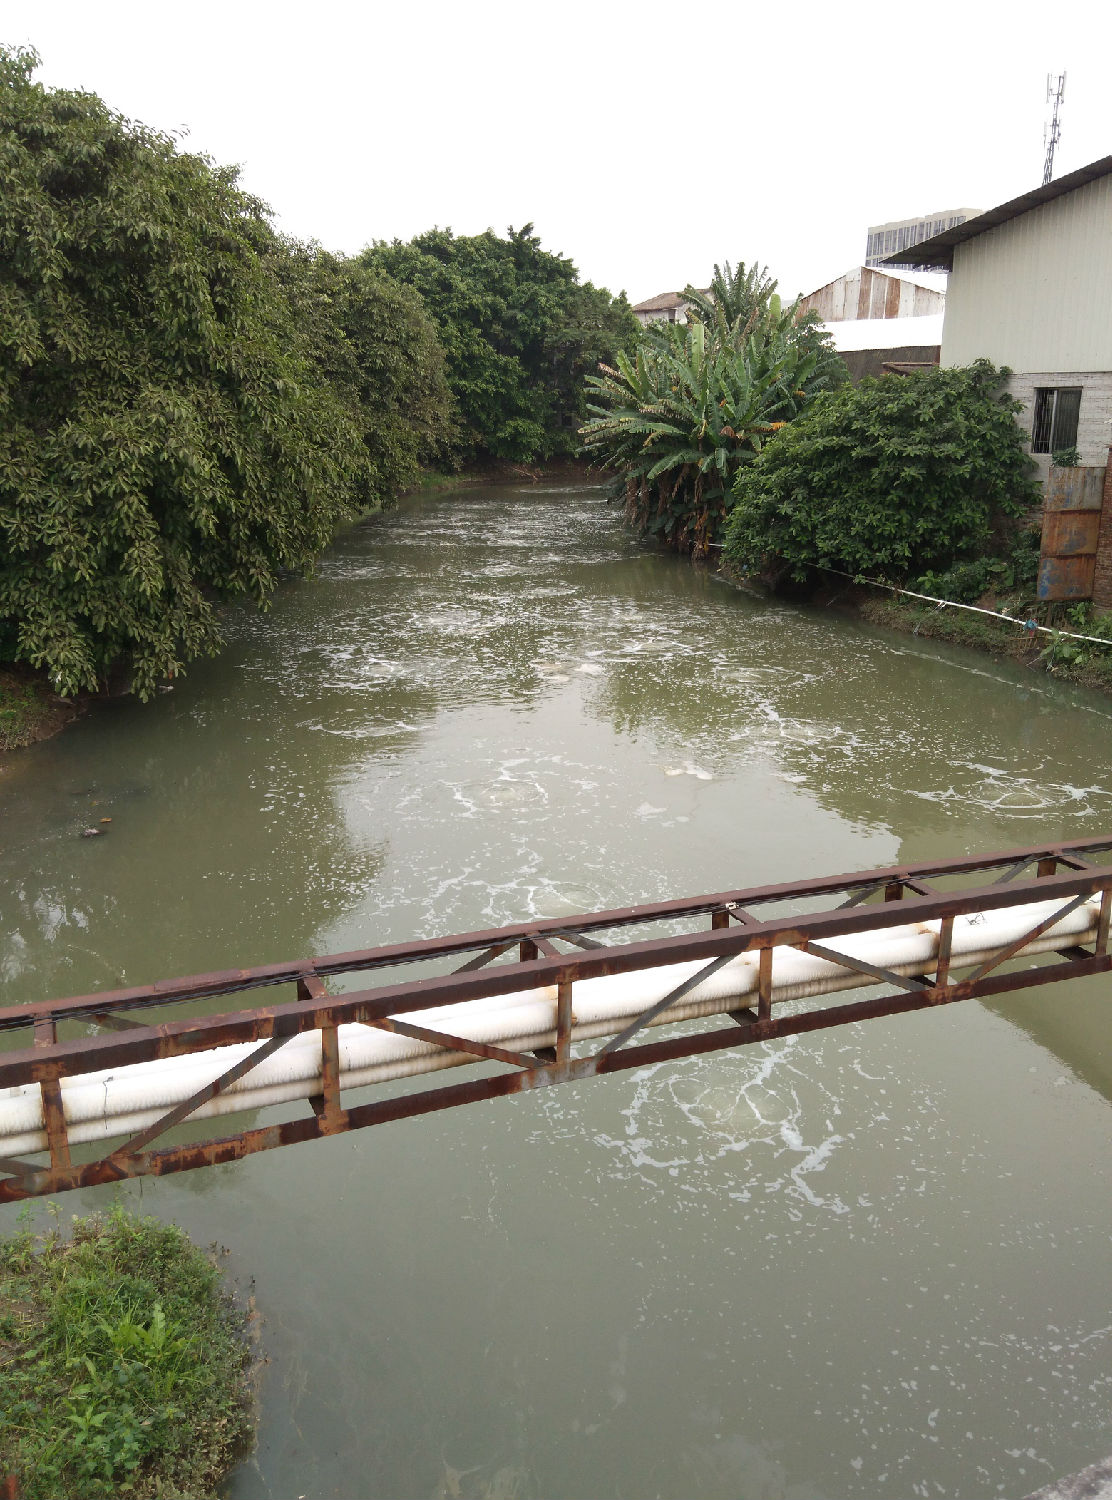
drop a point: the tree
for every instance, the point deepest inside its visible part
(164, 438)
(697, 402)
(373, 342)
(892, 476)
(519, 333)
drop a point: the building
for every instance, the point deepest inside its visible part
(882, 319)
(865, 293)
(668, 307)
(871, 346)
(1031, 288)
(884, 241)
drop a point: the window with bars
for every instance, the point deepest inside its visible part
(1056, 413)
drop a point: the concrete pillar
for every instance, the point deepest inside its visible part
(1102, 575)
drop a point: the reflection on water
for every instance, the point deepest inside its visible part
(870, 1262)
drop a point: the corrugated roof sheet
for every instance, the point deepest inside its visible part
(664, 301)
(939, 251)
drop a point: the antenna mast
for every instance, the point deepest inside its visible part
(1056, 90)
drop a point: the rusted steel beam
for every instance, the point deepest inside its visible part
(745, 1031)
(764, 985)
(54, 1119)
(202, 1096)
(17, 1167)
(648, 1016)
(577, 939)
(564, 1021)
(487, 956)
(331, 1113)
(859, 966)
(230, 981)
(110, 1022)
(457, 1043)
(179, 1037)
(945, 947)
(1028, 937)
(1103, 920)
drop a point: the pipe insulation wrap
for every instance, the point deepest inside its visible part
(103, 1105)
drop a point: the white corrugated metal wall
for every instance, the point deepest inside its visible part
(1035, 293)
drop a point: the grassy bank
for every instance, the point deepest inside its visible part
(124, 1368)
(29, 708)
(1089, 665)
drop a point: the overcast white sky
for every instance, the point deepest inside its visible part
(645, 141)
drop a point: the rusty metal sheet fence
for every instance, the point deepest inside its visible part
(1071, 524)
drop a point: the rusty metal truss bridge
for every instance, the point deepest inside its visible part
(89, 1033)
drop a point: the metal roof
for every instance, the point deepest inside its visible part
(939, 250)
(664, 301)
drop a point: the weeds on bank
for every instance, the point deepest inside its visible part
(21, 711)
(123, 1364)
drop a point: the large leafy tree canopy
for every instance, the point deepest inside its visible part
(373, 342)
(519, 333)
(891, 476)
(164, 437)
(677, 420)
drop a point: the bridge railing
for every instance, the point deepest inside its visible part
(550, 955)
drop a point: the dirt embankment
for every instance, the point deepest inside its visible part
(30, 709)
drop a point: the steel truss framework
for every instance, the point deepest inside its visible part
(556, 953)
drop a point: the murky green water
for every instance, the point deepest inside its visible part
(868, 1263)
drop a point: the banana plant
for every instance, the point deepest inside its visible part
(677, 419)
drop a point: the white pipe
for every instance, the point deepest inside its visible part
(103, 1105)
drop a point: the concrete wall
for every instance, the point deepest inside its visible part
(1094, 421)
(1035, 293)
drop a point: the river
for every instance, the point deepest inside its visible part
(868, 1262)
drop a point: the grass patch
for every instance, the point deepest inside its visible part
(124, 1367)
(29, 711)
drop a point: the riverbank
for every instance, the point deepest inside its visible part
(1087, 665)
(125, 1367)
(30, 710)
(573, 471)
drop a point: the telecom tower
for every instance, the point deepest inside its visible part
(1056, 90)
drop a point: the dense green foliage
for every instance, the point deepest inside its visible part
(678, 419)
(123, 1367)
(1009, 571)
(164, 437)
(375, 346)
(519, 333)
(890, 477)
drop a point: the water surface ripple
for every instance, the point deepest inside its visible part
(868, 1263)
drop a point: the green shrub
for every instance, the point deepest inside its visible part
(1065, 458)
(123, 1367)
(1013, 572)
(894, 476)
